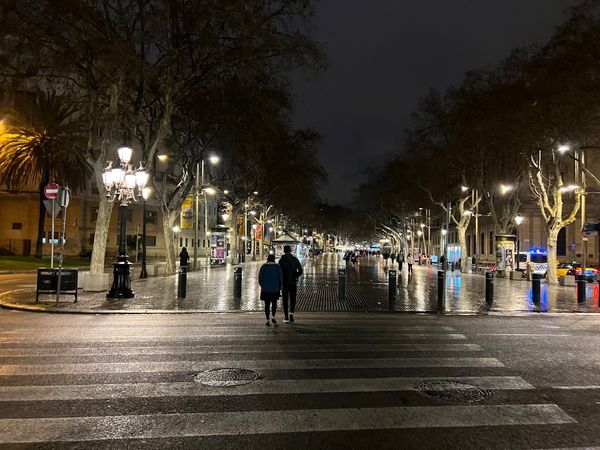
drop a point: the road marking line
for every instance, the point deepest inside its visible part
(74, 429)
(217, 349)
(274, 364)
(273, 337)
(525, 334)
(576, 387)
(267, 387)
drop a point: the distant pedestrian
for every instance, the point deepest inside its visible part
(410, 261)
(400, 261)
(184, 257)
(270, 279)
(386, 256)
(393, 258)
(292, 271)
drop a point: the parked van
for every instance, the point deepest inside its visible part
(535, 259)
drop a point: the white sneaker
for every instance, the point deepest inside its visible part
(286, 320)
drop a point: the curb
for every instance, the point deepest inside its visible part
(39, 309)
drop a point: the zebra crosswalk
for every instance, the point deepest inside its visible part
(331, 384)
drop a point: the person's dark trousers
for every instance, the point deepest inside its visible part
(270, 305)
(410, 269)
(289, 293)
(400, 265)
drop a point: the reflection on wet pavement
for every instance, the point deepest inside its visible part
(366, 290)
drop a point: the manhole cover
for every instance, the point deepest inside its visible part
(453, 391)
(226, 377)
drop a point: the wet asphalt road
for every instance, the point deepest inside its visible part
(367, 289)
(332, 380)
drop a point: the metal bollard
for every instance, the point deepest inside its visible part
(342, 284)
(441, 291)
(392, 285)
(536, 280)
(182, 282)
(489, 288)
(237, 282)
(581, 286)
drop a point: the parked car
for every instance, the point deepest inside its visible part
(591, 273)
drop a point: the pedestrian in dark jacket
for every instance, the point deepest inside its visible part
(292, 270)
(184, 257)
(270, 278)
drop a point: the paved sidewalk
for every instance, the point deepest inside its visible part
(367, 290)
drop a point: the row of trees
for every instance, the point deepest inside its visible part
(492, 142)
(176, 77)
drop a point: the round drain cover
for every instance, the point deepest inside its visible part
(226, 377)
(453, 391)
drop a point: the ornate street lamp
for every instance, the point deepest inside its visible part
(126, 185)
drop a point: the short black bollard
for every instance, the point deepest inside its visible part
(489, 288)
(342, 284)
(441, 291)
(392, 285)
(237, 282)
(182, 282)
(536, 281)
(581, 286)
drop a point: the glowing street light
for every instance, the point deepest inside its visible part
(562, 149)
(505, 188)
(569, 187)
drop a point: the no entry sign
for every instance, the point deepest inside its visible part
(51, 190)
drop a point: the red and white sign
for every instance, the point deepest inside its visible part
(51, 190)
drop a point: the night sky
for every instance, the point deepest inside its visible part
(384, 55)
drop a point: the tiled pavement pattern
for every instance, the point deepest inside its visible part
(329, 381)
(367, 290)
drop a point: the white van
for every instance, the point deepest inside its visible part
(535, 259)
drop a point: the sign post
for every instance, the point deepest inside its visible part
(50, 191)
(63, 197)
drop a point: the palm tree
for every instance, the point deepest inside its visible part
(38, 144)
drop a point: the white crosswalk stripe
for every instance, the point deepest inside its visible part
(263, 422)
(410, 353)
(193, 389)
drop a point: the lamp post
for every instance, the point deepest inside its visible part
(145, 195)
(124, 184)
(518, 220)
(200, 186)
(253, 236)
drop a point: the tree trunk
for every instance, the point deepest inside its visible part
(100, 236)
(42, 214)
(552, 261)
(462, 241)
(168, 219)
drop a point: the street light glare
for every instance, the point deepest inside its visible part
(214, 159)
(562, 149)
(163, 157)
(569, 187)
(146, 192)
(464, 188)
(210, 190)
(505, 188)
(519, 219)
